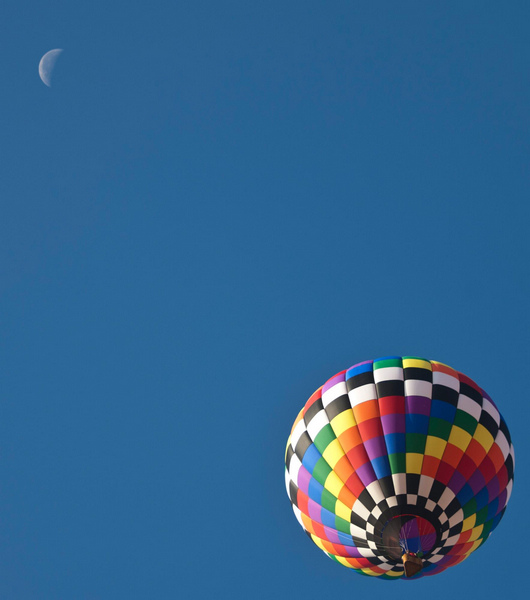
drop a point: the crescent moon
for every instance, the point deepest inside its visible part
(47, 62)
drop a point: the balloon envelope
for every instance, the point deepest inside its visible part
(399, 455)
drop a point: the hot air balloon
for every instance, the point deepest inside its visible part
(399, 467)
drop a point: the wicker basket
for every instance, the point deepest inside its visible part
(413, 564)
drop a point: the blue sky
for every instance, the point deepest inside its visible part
(214, 208)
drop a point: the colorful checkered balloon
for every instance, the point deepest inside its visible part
(396, 460)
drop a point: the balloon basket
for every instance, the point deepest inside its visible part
(413, 564)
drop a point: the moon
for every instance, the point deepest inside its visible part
(47, 62)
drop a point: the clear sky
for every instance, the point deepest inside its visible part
(214, 208)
